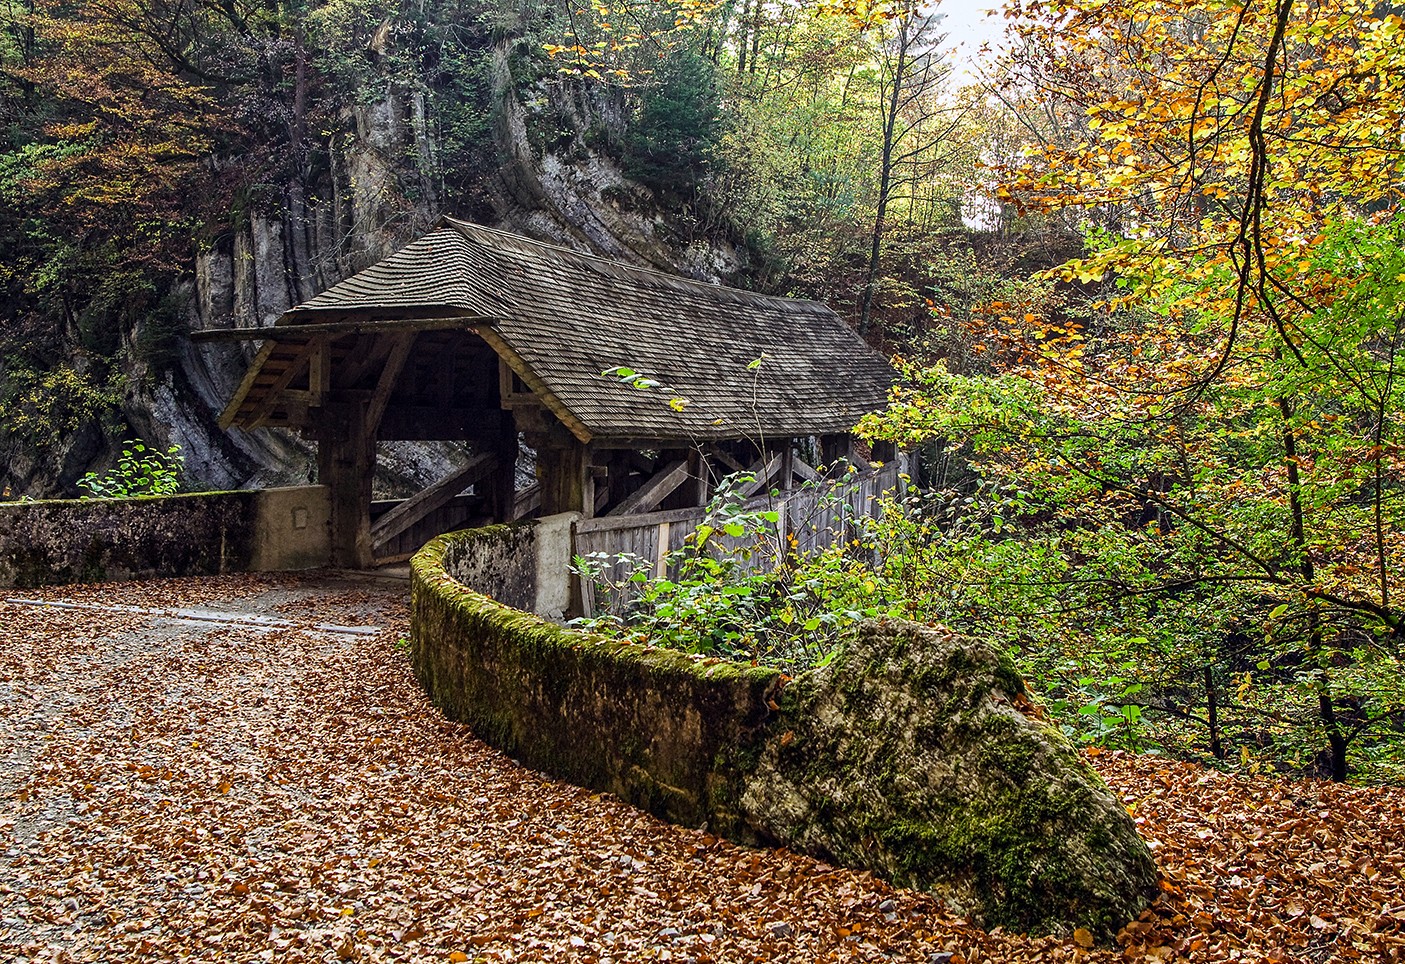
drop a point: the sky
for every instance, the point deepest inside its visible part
(968, 27)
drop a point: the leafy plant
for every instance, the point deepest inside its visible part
(141, 470)
(737, 589)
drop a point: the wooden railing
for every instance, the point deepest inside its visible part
(817, 516)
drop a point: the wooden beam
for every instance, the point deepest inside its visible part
(269, 401)
(527, 501)
(718, 453)
(654, 491)
(394, 362)
(610, 523)
(319, 370)
(804, 470)
(763, 470)
(601, 476)
(295, 332)
(501, 487)
(245, 384)
(415, 508)
(362, 359)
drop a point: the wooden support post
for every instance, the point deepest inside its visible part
(346, 460)
(564, 475)
(786, 476)
(661, 552)
(700, 480)
(836, 448)
(501, 487)
(319, 372)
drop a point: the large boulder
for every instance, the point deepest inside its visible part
(919, 755)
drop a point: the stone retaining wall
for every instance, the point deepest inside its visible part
(916, 754)
(105, 540)
(652, 726)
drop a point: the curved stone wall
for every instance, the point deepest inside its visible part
(653, 726)
(915, 753)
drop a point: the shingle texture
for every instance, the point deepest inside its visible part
(569, 316)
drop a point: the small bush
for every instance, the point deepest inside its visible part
(141, 470)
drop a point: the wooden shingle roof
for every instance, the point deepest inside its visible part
(560, 318)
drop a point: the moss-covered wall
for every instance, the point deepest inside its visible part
(911, 754)
(655, 727)
(499, 564)
(106, 540)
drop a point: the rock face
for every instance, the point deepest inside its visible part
(382, 186)
(918, 755)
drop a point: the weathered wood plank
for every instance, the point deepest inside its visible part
(297, 332)
(413, 509)
(385, 384)
(651, 493)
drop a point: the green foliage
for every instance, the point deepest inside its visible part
(39, 408)
(670, 145)
(736, 591)
(141, 470)
(1227, 542)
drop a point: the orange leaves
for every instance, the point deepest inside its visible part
(1158, 117)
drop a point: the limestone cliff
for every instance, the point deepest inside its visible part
(380, 185)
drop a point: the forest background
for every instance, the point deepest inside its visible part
(1145, 278)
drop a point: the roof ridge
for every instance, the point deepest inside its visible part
(459, 224)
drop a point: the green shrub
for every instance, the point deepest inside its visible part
(141, 470)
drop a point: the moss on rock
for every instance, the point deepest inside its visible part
(910, 755)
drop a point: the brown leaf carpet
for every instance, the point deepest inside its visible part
(187, 789)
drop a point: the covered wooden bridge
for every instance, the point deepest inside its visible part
(497, 340)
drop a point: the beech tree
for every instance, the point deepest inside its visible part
(1226, 420)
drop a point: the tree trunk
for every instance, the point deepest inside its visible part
(1336, 741)
(885, 173)
(1212, 711)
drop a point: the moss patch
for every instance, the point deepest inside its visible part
(908, 756)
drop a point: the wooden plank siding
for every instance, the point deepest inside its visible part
(817, 516)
